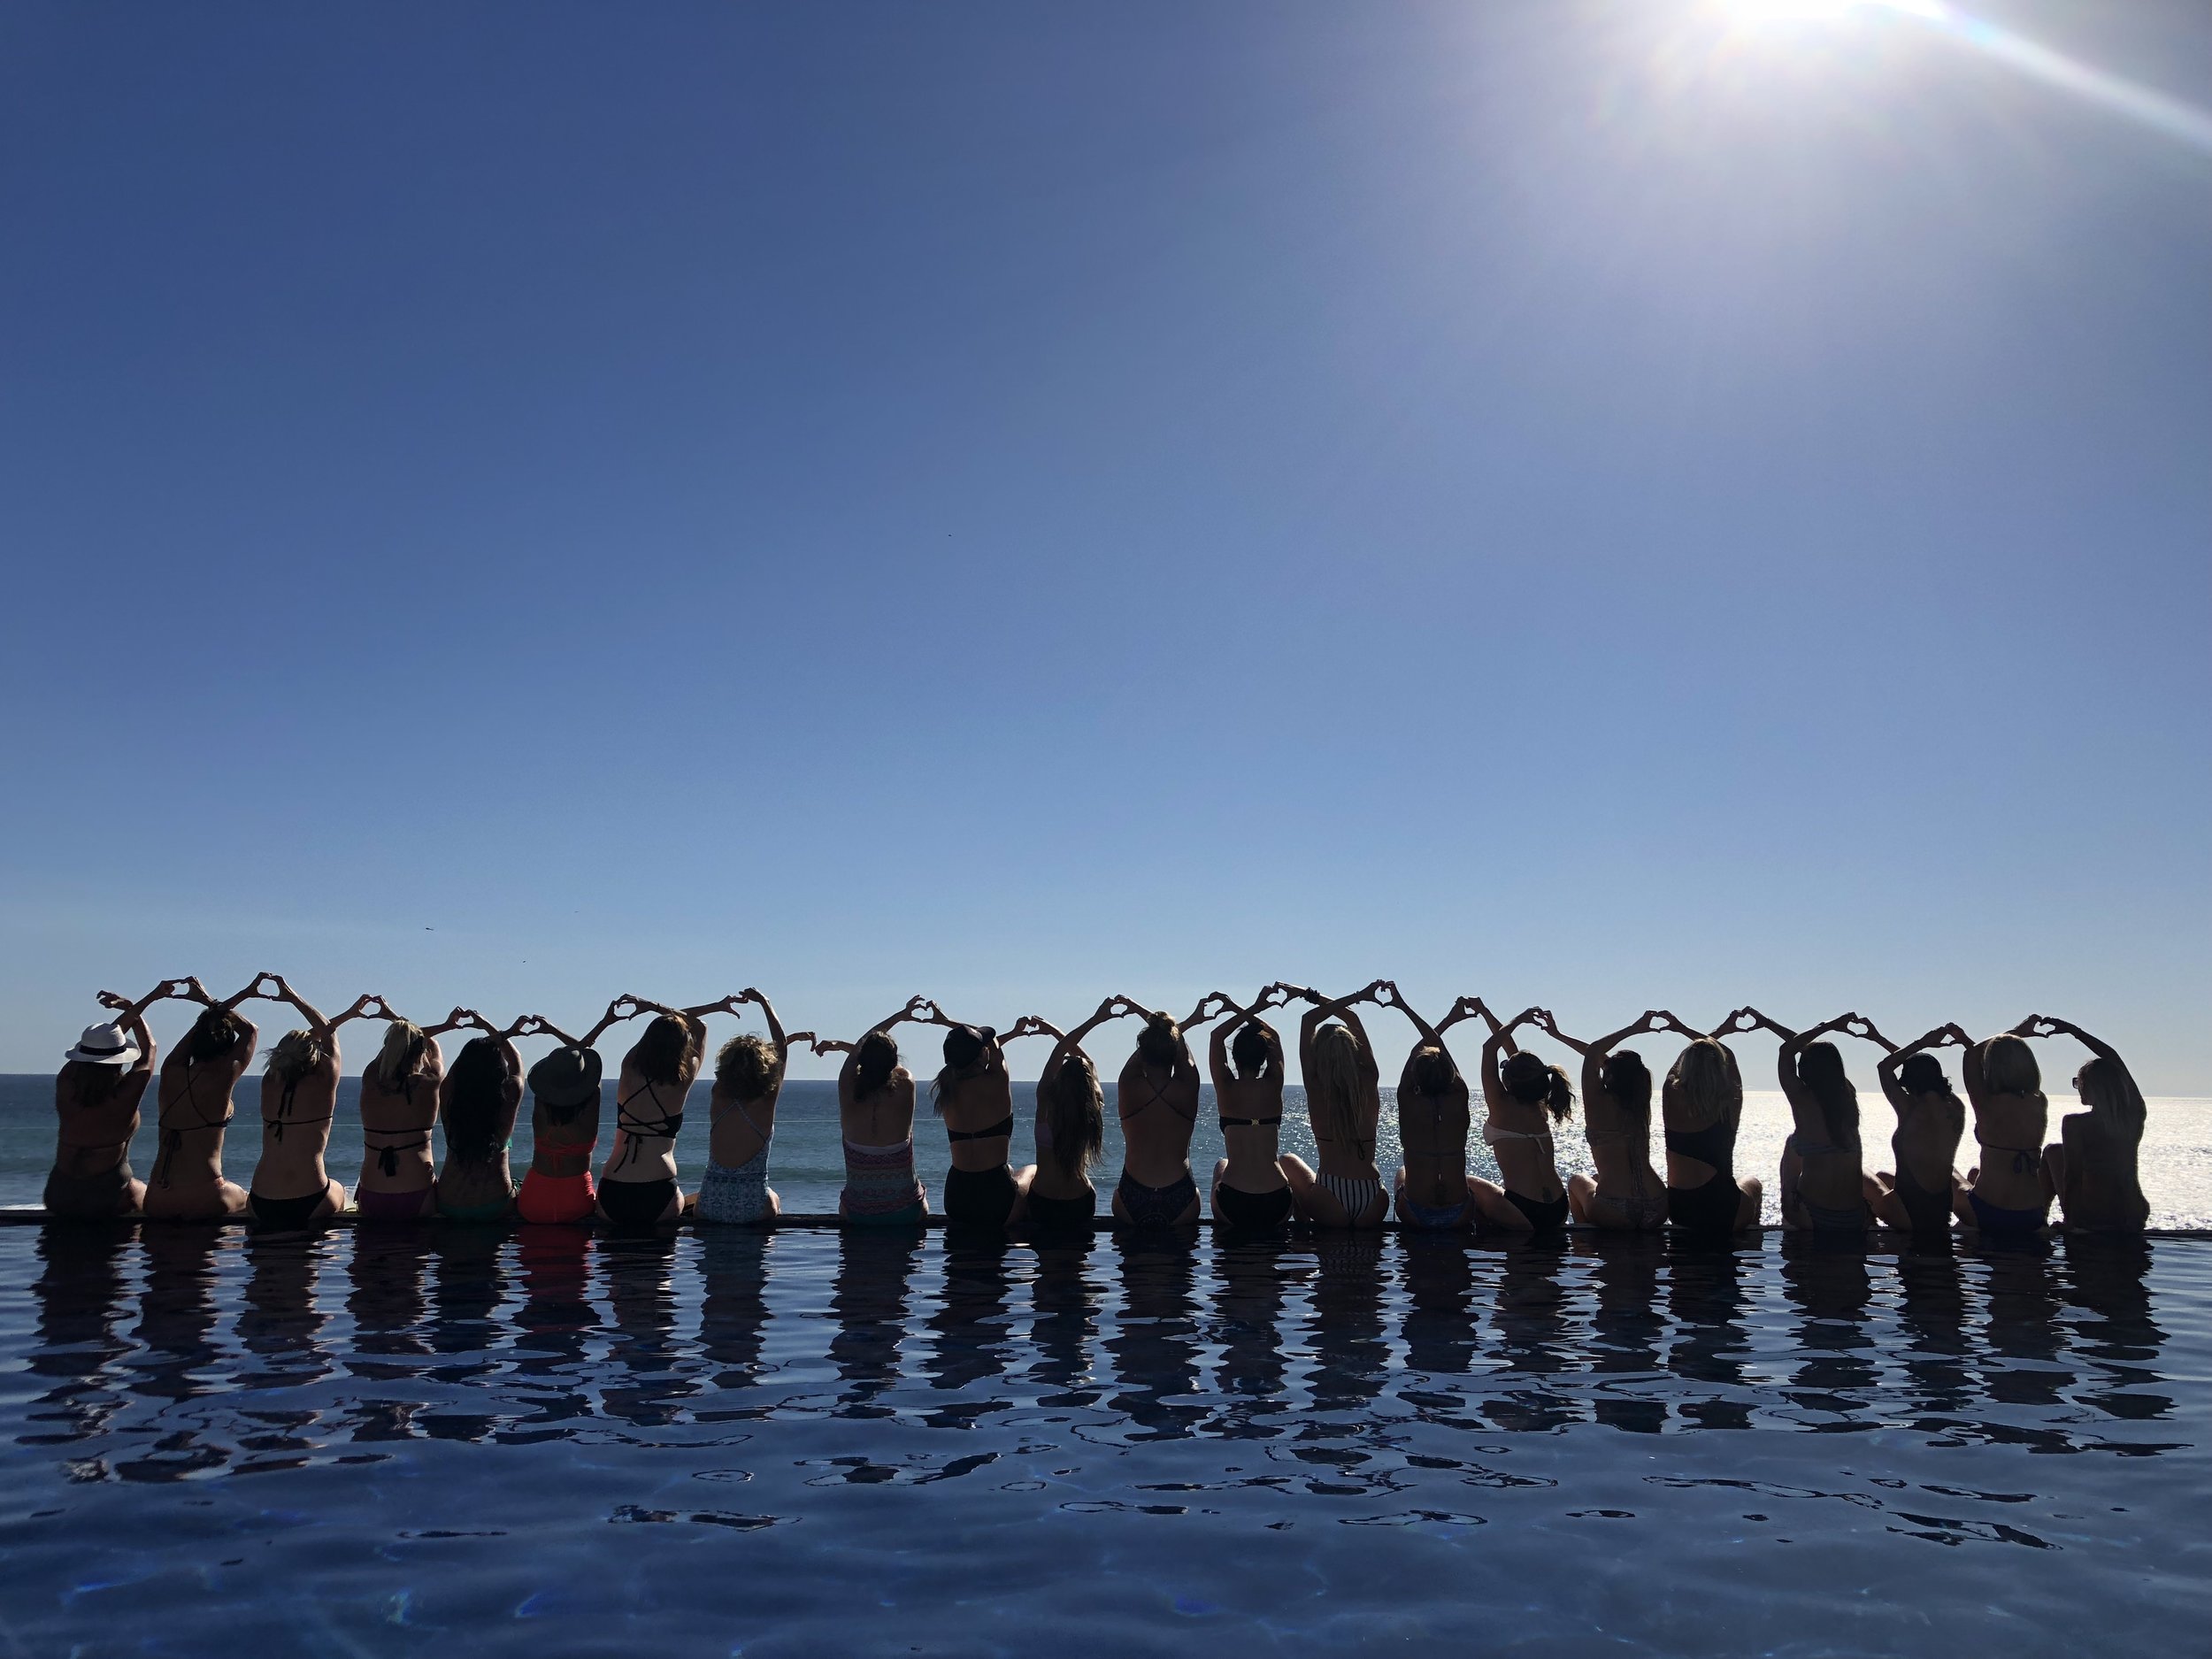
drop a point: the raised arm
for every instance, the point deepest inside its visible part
(1199, 1016)
(623, 1006)
(1793, 1043)
(1594, 1053)
(1071, 1042)
(1391, 998)
(460, 1019)
(251, 992)
(1501, 1041)
(2046, 1025)
(1341, 1008)
(918, 1010)
(362, 1009)
(131, 1017)
(768, 1015)
(1887, 1067)
(308, 1011)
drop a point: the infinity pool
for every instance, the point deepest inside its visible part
(460, 1442)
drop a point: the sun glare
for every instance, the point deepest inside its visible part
(2160, 112)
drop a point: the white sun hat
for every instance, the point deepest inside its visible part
(105, 1045)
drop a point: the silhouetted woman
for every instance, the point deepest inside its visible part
(292, 1185)
(875, 1114)
(1250, 1192)
(1627, 1194)
(1823, 1185)
(1434, 1192)
(1156, 1099)
(2008, 1192)
(748, 1081)
(637, 1189)
(477, 1101)
(1924, 1192)
(2093, 1165)
(1344, 1102)
(186, 1181)
(96, 1096)
(1524, 1098)
(1701, 1104)
(1070, 1123)
(975, 1097)
(564, 1103)
(399, 1111)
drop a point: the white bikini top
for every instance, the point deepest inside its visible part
(1492, 1135)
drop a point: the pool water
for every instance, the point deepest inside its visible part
(441, 1441)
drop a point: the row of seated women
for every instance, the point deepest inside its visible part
(409, 1089)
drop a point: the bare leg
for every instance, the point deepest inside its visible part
(1962, 1197)
(1581, 1190)
(1493, 1209)
(1303, 1186)
(1213, 1193)
(1019, 1213)
(775, 1205)
(1747, 1210)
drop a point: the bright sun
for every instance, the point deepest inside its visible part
(1789, 12)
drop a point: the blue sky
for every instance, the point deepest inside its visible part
(1597, 505)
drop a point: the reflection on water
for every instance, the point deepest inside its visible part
(439, 1383)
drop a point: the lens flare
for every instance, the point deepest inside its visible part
(2176, 118)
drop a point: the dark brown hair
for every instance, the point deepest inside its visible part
(1434, 1073)
(476, 1092)
(213, 1034)
(1628, 1080)
(1820, 1069)
(875, 1056)
(666, 1054)
(1251, 1051)
(1529, 1080)
(1160, 1041)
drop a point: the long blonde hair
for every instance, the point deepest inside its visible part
(1073, 1110)
(2009, 1066)
(2113, 1099)
(1702, 1082)
(296, 1054)
(399, 1062)
(1333, 1087)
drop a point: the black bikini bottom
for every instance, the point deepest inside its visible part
(1544, 1214)
(1251, 1212)
(1709, 1209)
(1928, 1212)
(1059, 1215)
(287, 1213)
(979, 1198)
(106, 1193)
(1155, 1206)
(636, 1203)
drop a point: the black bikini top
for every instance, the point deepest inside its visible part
(1003, 1126)
(388, 1154)
(1715, 1144)
(284, 1113)
(1159, 1094)
(669, 1126)
(1250, 1123)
